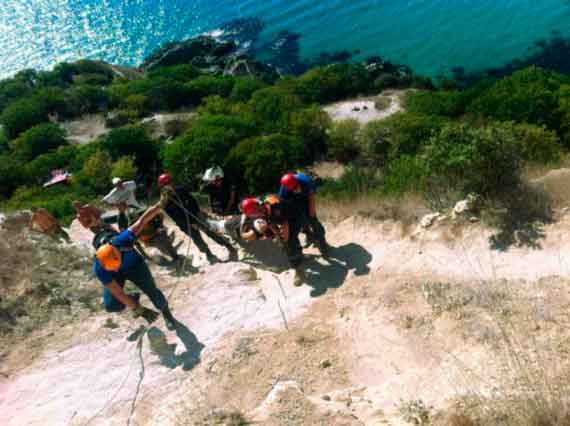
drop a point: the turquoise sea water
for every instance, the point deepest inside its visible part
(432, 36)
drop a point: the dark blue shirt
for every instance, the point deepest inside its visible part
(129, 256)
(308, 187)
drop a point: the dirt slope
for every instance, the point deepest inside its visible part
(387, 320)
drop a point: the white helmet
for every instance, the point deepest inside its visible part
(212, 174)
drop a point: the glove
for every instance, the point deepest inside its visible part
(148, 314)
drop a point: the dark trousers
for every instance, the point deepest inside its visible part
(294, 249)
(162, 242)
(195, 234)
(139, 275)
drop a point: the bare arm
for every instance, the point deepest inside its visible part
(247, 235)
(147, 216)
(119, 294)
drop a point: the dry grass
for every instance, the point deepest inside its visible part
(406, 210)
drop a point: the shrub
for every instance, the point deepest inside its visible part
(538, 144)
(38, 170)
(207, 85)
(208, 141)
(354, 182)
(38, 140)
(125, 168)
(10, 176)
(344, 144)
(405, 174)
(244, 87)
(273, 108)
(403, 133)
(529, 96)
(133, 141)
(96, 173)
(485, 161)
(446, 103)
(87, 99)
(182, 73)
(333, 83)
(311, 126)
(216, 105)
(21, 115)
(262, 160)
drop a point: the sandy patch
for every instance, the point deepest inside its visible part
(86, 129)
(363, 110)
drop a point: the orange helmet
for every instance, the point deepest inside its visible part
(249, 206)
(289, 182)
(164, 179)
(109, 257)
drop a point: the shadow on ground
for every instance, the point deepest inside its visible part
(166, 352)
(331, 272)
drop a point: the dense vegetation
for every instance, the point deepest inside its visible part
(472, 140)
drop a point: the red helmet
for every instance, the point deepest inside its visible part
(289, 182)
(164, 179)
(249, 206)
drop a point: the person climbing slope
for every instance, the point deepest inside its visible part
(221, 192)
(116, 261)
(276, 219)
(184, 210)
(301, 190)
(122, 196)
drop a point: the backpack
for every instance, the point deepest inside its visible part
(103, 236)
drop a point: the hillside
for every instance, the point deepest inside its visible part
(395, 327)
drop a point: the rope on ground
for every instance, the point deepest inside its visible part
(141, 378)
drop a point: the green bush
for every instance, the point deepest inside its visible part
(528, 96)
(445, 103)
(216, 105)
(10, 176)
(244, 87)
(133, 141)
(406, 174)
(538, 144)
(484, 161)
(207, 142)
(262, 160)
(125, 168)
(39, 169)
(182, 73)
(311, 126)
(344, 143)
(207, 85)
(87, 99)
(161, 94)
(334, 82)
(21, 115)
(96, 174)
(403, 133)
(38, 140)
(273, 108)
(354, 182)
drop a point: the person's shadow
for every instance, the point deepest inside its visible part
(265, 254)
(333, 273)
(166, 352)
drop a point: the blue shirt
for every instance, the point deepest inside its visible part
(129, 256)
(308, 187)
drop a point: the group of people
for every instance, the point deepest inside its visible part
(119, 256)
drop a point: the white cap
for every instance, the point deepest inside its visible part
(116, 180)
(212, 174)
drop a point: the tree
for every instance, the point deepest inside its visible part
(262, 160)
(344, 144)
(311, 125)
(125, 168)
(273, 108)
(133, 141)
(21, 115)
(96, 173)
(38, 140)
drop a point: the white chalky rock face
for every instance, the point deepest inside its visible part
(428, 220)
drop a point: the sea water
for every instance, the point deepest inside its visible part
(431, 36)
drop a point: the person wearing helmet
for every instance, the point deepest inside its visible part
(184, 210)
(274, 218)
(221, 193)
(122, 196)
(116, 261)
(301, 190)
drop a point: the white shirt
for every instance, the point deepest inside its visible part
(126, 194)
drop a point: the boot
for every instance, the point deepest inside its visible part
(169, 319)
(299, 279)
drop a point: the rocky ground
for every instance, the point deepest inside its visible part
(425, 327)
